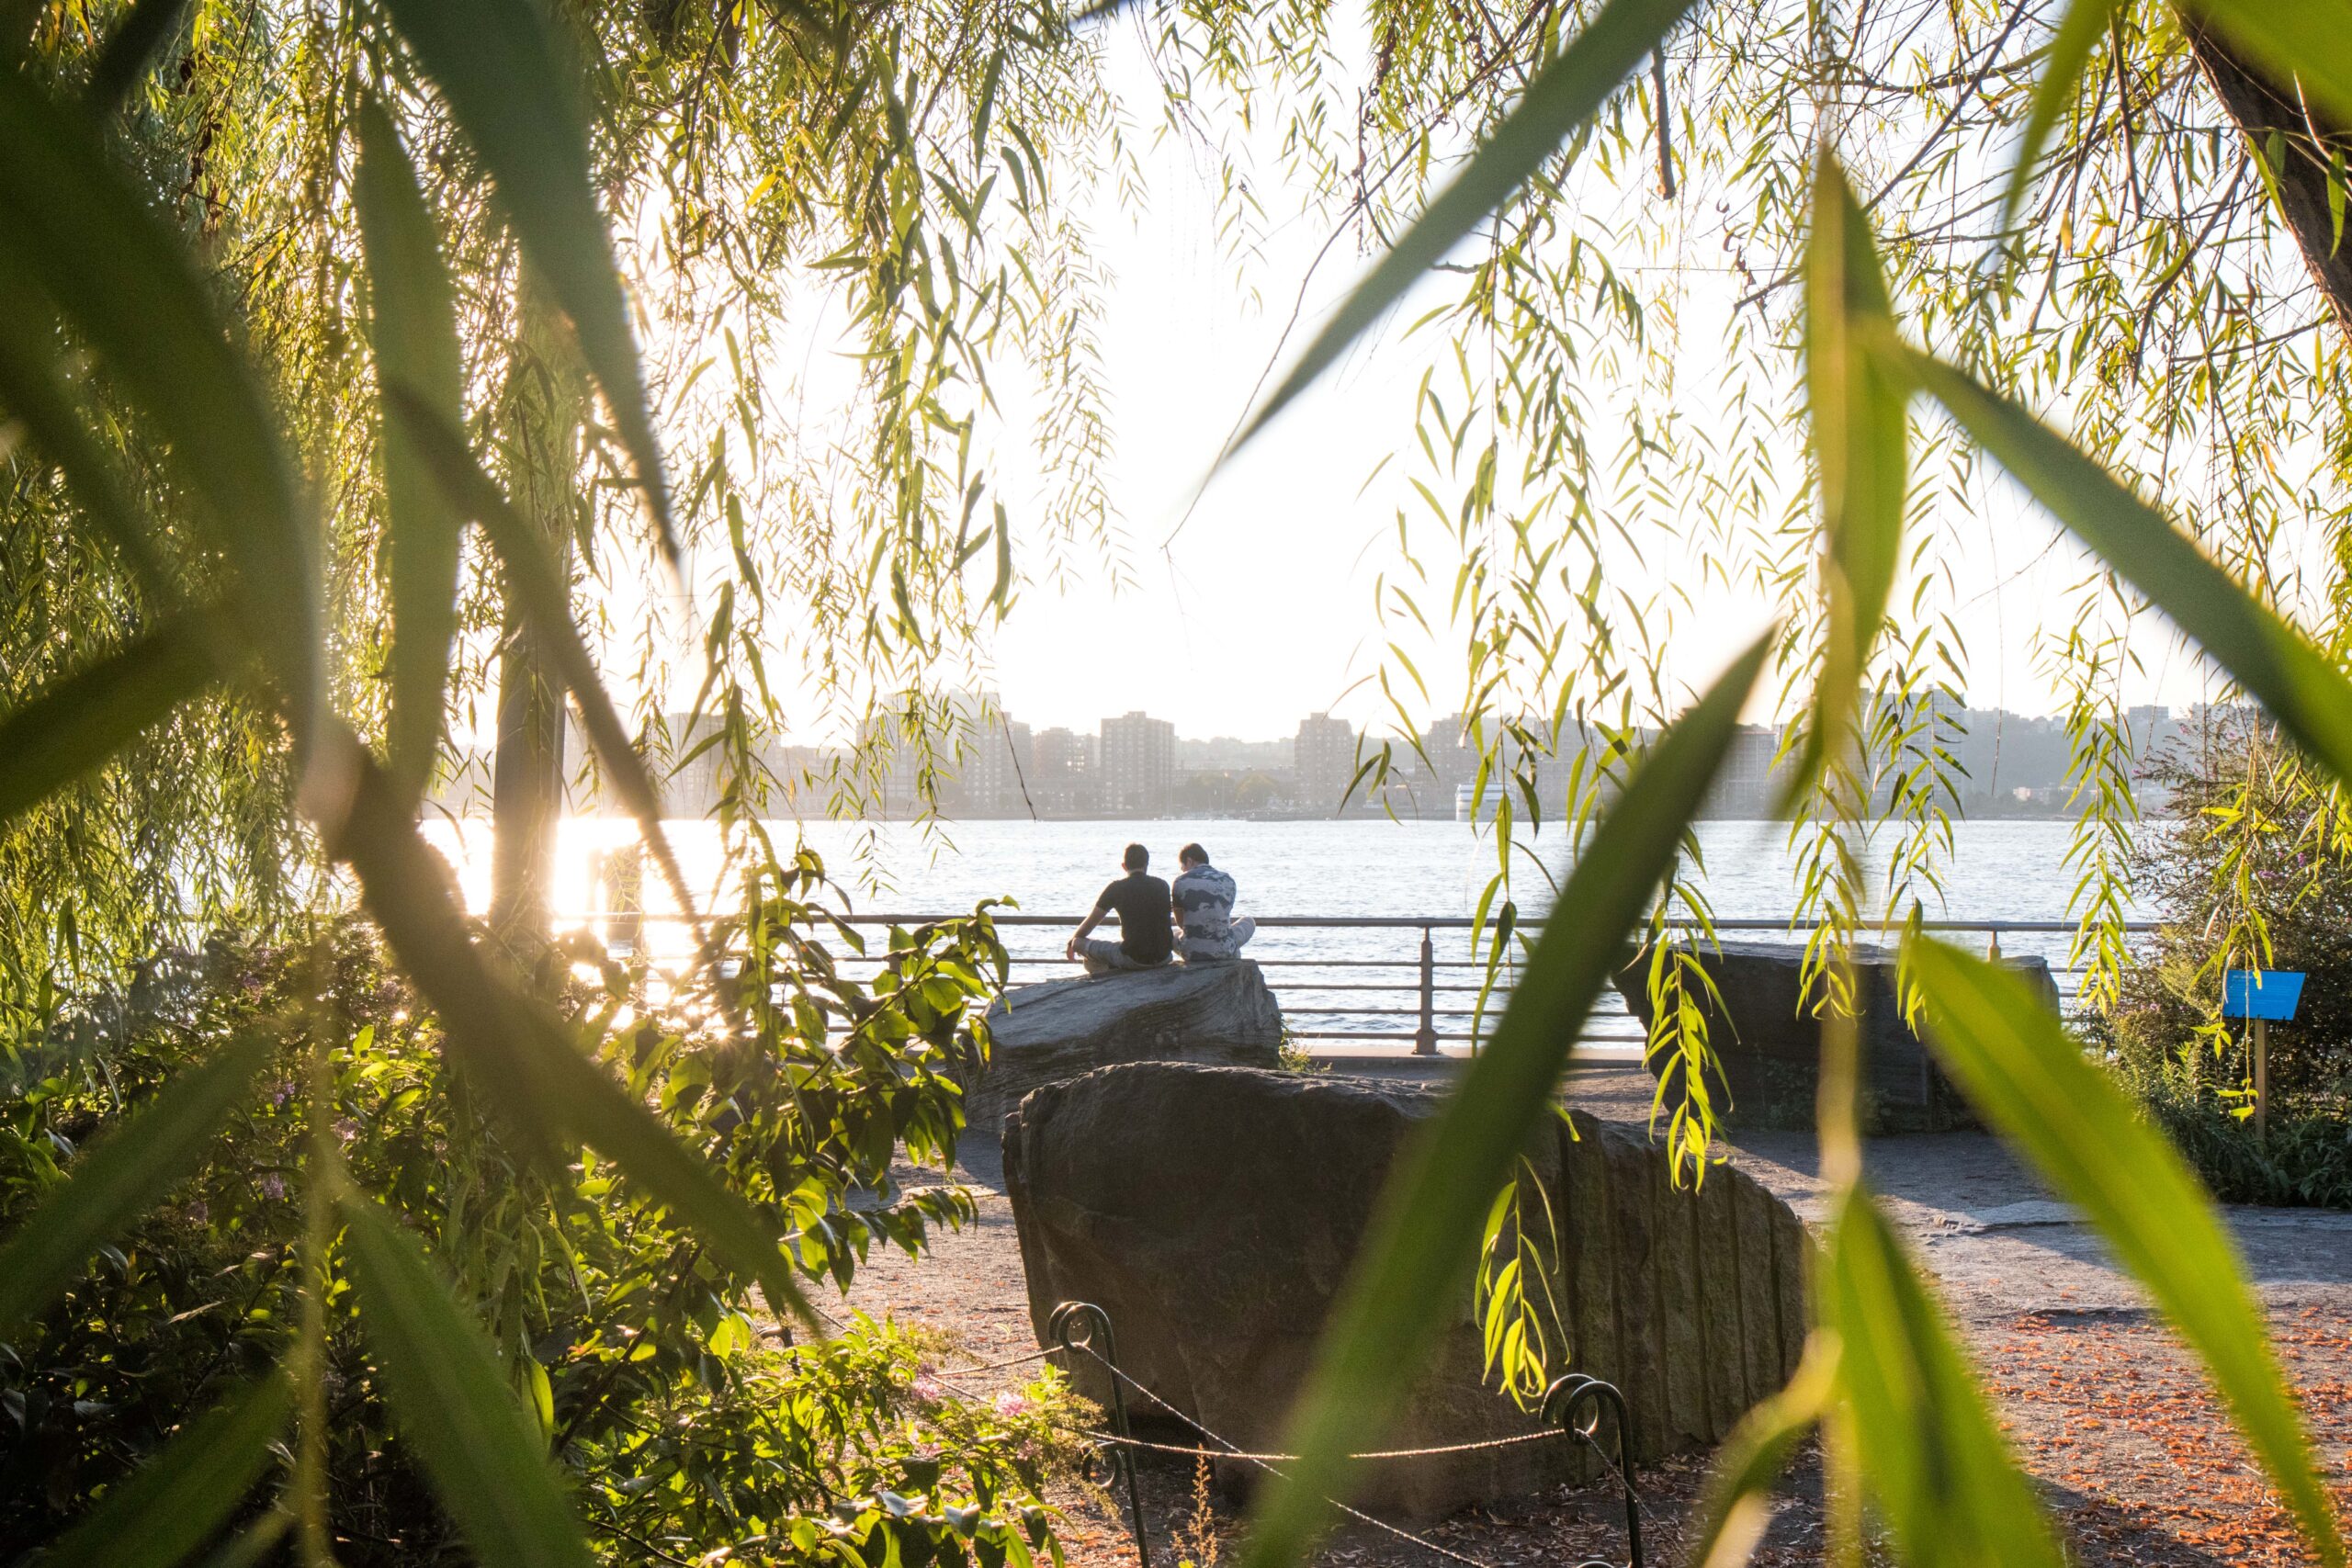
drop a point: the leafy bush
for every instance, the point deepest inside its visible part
(2307, 1158)
(639, 1353)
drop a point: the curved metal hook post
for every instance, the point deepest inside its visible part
(1082, 1326)
(1561, 1402)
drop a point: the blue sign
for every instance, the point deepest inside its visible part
(2271, 994)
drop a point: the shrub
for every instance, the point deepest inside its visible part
(642, 1359)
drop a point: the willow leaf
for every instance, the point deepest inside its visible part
(1860, 428)
(122, 1176)
(513, 89)
(1946, 1483)
(2034, 1085)
(71, 226)
(75, 723)
(2304, 43)
(1421, 1243)
(129, 51)
(2299, 686)
(2061, 75)
(1734, 1509)
(544, 1083)
(414, 329)
(1565, 93)
(168, 1506)
(482, 1450)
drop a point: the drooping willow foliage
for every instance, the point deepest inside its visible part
(1600, 454)
(795, 189)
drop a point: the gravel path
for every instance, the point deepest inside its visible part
(2135, 1455)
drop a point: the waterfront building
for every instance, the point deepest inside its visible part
(1325, 757)
(1139, 765)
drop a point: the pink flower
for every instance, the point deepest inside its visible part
(929, 1389)
(1012, 1406)
(272, 1187)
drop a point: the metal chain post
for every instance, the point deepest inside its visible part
(1561, 1402)
(1063, 1329)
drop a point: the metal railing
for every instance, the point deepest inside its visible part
(1405, 983)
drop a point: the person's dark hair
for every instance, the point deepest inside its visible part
(1137, 857)
(1192, 854)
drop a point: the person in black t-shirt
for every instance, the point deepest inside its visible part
(1147, 930)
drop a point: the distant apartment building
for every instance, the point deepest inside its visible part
(1138, 774)
(994, 780)
(1743, 787)
(1324, 755)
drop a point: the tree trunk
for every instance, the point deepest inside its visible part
(2296, 141)
(542, 418)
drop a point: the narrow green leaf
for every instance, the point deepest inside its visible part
(1422, 1241)
(129, 51)
(75, 723)
(168, 1506)
(1565, 93)
(1945, 1481)
(2062, 75)
(1734, 1509)
(414, 327)
(480, 1449)
(1860, 439)
(2028, 1080)
(544, 598)
(72, 225)
(2302, 44)
(122, 1176)
(34, 390)
(544, 1082)
(2299, 686)
(514, 91)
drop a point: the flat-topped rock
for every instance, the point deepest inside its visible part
(1215, 1014)
(1768, 1038)
(1213, 1213)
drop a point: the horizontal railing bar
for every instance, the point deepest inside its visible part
(1380, 922)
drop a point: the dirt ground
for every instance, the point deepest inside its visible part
(2135, 1455)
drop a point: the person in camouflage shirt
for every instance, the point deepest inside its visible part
(1203, 900)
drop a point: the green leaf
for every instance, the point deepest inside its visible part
(2299, 686)
(514, 91)
(1860, 430)
(2062, 75)
(2302, 43)
(2017, 1066)
(129, 51)
(1734, 1509)
(1945, 1481)
(168, 1506)
(414, 327)
(1423, 1237)
(122, 1176)
(455, 1413)
(1565, 93)
(71, 226)
(539, 590)
(75, 723)
(543, 1080)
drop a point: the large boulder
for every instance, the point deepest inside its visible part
(1221, 1014)
(1767, 1037)
(1213, 1214)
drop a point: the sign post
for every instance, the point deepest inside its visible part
(2259, 996)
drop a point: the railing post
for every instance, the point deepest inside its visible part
(1064, 1328)
(1561, 1402)
(1425, 1037)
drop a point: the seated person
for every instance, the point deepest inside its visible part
(1146, 936)
(1204, 907)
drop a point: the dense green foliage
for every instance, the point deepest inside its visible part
(644, 1360)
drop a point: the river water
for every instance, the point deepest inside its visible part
(1998, 870)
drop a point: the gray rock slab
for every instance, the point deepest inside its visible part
(1215, 1014)
(1213, 1213)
